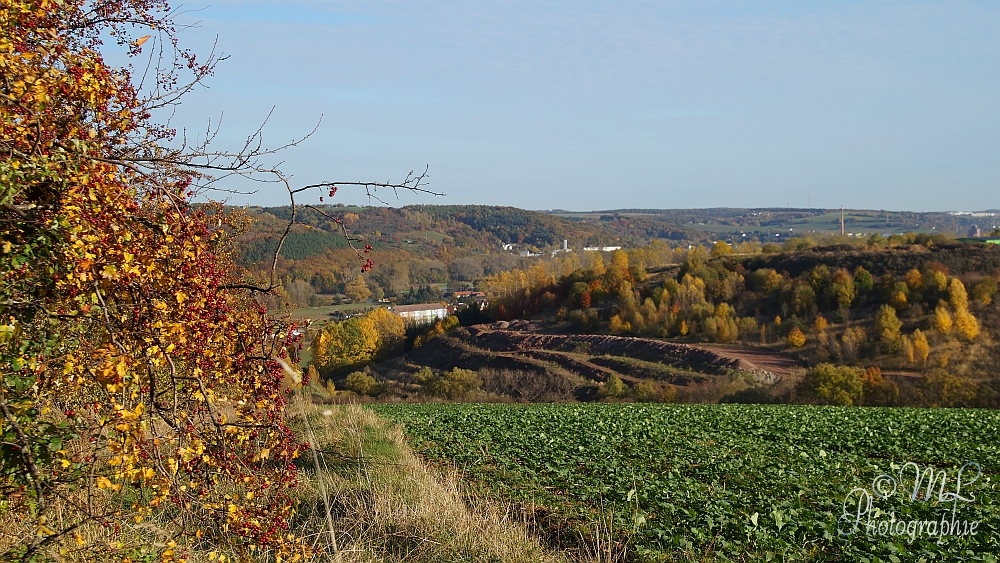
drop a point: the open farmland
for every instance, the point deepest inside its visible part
(724, 482)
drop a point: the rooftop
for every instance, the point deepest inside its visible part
(415, 308)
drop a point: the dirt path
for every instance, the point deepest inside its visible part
(775, 362)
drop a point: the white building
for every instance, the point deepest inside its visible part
(421, 314)
(565, 248)
(602, 248)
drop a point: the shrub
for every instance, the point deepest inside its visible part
(646, 392)
(984, 290)
(939, 388)
(668, 394)
(834, 385)
(455, 384)
(614, 388)
(796, 338)
(364, 384)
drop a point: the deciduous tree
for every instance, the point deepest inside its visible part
(834, 385)
(357, 290)
(143, 378)
(942, 320)
(921, 349)
(887, 327)
(957, 297)
(966, 324)
(796, 338)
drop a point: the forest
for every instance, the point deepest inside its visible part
(422, 245)
(903, 320)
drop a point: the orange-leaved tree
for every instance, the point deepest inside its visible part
(143, 395)
(142, 399)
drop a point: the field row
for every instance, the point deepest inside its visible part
(733, 482)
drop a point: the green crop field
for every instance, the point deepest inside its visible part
(323, 313)
(733, 482)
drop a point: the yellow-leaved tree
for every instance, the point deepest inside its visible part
(957, 296)
(966, 324)
(921, 348)
(356, 342)
(142, 404)
(942, 320)
(796, 338)
(141, 400)
(887, 326)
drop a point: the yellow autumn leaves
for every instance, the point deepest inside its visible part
(358, 341)
(964, 323)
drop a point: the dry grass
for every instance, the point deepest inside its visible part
(371, 499)
(388, 505)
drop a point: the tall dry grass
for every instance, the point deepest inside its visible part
(365, 497)
(385, 504)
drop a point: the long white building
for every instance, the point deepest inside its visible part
(421, 314)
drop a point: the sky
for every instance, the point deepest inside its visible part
(584, 105)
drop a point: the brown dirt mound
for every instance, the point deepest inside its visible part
(669, 353)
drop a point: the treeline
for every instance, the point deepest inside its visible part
(917, 320)
(414, 247)
(417, 246)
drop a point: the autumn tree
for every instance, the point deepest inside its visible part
(357, 290)
(863, 280)
(914, 279)
(887, 327)
(357, 342)
(957, 296)
(842, 288)
(984, 290)
(834, 385)
(921, 348)
(942, 320)
(796, 338)
(144, 383)
(936, 281)
(966, 325)
(878, 390)
(939, 388)
(721, 248)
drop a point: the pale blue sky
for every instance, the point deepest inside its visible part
(588, 105)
